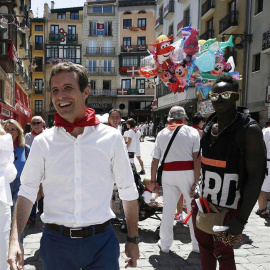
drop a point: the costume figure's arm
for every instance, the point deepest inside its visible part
(131, 249)
(255, 167)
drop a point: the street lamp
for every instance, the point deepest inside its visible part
(244, 39)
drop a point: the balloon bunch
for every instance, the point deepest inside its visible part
(188, 60)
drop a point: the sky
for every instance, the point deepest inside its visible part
(39, 4)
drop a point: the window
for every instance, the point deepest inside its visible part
(106, 85)
(141, 41)
(74, 15)
(142, 12)
(127, 13)
(92, 66)
(61, 16)
(38, 42)
(256, 62)
(258, 6)
(63, 53)
(140, 106)
(38, 107)
(186, 19)
(92, 47)
(130, 61)
(92, 28)
(127, 41)
(55, 29)
(126, 84)
(38, 27)
(141, 22)
(38, 86)
(107, 66)
(127, 23)
(140, 83)
(71, 33)
(108, 47)
(102, 9)
(93, 85)
(108, 28)
(39, 63)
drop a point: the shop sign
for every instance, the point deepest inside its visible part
(7, 92)
(5, 112)
(205, 107)
(100, 105)
(172, 99)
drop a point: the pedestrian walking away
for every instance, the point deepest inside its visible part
(180, 172)
(79, 159)
(7, 174)
(233, 168)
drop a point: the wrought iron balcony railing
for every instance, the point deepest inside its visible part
(266, 40)
(207, 6)
(209, 33)
(229, 20)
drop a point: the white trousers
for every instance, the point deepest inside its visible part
(5, 221)
(174, 184)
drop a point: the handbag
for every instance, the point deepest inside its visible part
(160, 168)
(206, 221)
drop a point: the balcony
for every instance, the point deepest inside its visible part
(92, 50)
(208, 34)
(169, 10)
(134, 48)
(229, 23)
(70, 39)
(107, 71)
(159, 23)
(266, 42)
(108, 50)
(19, 71)
(107, 93)
(208, 9)
(101, 70)
(106, 33)
(131, 91)
(7, 55)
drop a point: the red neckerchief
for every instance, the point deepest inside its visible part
(197, 127)
(89, 120)
(109, 124)
(174, 124)
(16, 142)
(146, 189)
(34, 133)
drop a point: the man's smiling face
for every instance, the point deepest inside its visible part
(67, 98)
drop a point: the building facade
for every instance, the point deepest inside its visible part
(15, 70)
(136, 24)
(100, 36)
(257, 98)
(63, 43)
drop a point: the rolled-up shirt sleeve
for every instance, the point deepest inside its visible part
(122, 171)
(32, 173)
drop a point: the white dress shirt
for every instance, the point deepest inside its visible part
(133, 145)
(78, 175)
(185, 143)
(266, 137)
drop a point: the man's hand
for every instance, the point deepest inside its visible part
(236, 227)
(40, 193)
(15, 255)
(133, 254)
(192, 190)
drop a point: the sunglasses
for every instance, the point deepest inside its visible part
(36, 123)
(224, 95)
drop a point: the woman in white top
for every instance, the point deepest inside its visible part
(7, 174)
(131, 139)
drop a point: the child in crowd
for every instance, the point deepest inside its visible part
(148, 195)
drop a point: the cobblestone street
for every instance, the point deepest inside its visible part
(252, 254)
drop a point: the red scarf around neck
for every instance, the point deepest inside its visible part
(197, 127)
(89, 120)
(174, 124)
(34, 133)
(16, 142)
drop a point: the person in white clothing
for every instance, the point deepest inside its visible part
(151, 128)
(78, 159)
(263, 211)
(131, 139)
(7, 174)
(138, 152)
(180, 172)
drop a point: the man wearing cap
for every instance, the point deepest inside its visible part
(78, 159)
(181, 172)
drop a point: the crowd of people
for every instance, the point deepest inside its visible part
(69, 171)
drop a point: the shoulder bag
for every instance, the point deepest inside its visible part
(160, 168)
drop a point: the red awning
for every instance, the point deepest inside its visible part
(7, 112)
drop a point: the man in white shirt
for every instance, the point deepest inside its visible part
(78, 159)
(151, 128)
(180, 172)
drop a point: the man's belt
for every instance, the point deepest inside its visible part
(78, 232)
(178, 166)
